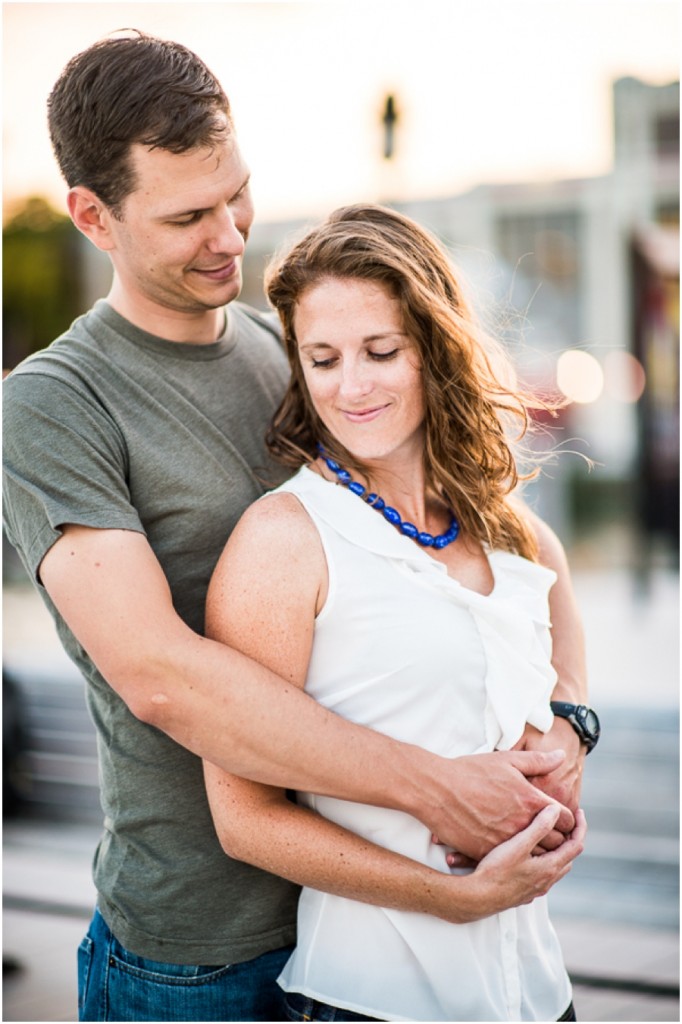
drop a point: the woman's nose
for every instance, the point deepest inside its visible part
(356, 380)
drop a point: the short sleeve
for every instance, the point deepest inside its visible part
(64, 461)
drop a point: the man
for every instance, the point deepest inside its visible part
(133, 444)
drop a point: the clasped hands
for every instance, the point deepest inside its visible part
(499, 794)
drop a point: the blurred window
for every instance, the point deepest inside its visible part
(541, 250)
(667, 135)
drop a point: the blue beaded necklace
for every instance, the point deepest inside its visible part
(427, 540)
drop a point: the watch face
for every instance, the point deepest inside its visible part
(591, 722)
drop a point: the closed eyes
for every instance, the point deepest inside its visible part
(379, 357)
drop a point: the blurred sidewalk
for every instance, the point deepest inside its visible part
(616, 913)
(632, 637)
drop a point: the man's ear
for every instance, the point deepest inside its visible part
(91, 217)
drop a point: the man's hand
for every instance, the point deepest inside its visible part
(491, 798)
(564, 782)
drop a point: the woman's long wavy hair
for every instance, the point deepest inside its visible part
(474, 413)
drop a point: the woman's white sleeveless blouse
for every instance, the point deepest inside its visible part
(404, 649)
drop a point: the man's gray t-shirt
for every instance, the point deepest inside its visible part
(111, 427)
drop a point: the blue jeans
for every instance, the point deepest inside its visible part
(114, 984)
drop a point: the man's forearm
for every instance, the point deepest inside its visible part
(248, 721)
(112, 593)
(239, 715)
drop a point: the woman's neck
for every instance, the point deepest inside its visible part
(402, 485)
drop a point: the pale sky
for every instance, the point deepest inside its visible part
(487, 90)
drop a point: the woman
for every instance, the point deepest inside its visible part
(397, 581)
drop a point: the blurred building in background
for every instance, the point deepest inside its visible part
(579, 277)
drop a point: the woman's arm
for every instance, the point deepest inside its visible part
(568, 659)
(268, 586)
(568, 641)
(257, 824)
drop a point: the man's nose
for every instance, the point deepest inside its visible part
(225, 235)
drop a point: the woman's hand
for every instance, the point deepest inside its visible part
(512, 874)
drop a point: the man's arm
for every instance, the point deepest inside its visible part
(223, 706)
(269, 586)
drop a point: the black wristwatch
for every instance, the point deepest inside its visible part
(583, 719)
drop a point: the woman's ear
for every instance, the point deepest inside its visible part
(91, 217)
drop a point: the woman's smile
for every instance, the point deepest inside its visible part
(363, 415)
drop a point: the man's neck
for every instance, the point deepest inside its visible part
(201, 328)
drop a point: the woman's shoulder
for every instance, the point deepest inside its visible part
(551, 552)
(279, 510)
(276, 517)
(274, 550)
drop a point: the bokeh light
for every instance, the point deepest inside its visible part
(624, 376)
(579, 376)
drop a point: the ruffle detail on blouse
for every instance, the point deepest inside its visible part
(512, 621)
